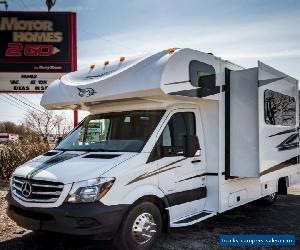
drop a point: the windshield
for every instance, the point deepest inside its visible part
(114, 132)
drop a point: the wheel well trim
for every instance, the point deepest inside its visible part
(152, 194)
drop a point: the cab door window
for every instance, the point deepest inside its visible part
(179, 125)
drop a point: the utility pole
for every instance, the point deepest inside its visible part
(5, 4)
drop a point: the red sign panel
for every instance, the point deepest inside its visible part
(38, 42)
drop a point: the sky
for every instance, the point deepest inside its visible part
(241, 31)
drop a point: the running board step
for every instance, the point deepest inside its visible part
(195, 218)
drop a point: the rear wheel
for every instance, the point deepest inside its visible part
(141, 228)
(268, 200)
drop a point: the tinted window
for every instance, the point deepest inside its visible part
(280, 109)
(179, 125)
(202, 75)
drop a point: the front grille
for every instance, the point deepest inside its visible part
(37, 191)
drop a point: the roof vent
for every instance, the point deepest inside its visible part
(50, 153)
(101, 156)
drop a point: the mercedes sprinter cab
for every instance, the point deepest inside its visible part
(172, 139)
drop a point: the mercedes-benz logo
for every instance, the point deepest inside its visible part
(26, 189)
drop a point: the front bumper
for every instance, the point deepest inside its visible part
(91, 219)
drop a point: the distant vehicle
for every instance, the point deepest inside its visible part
(173, 138)
(7, 137)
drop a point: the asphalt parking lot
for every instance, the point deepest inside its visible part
(281, 218)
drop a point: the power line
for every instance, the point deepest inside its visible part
(27, 100)
(16, 106)
(25, 103)
(19, 101)
(16, 103)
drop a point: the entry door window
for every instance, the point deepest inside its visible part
(179, 125)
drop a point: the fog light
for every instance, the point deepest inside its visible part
(86, 222)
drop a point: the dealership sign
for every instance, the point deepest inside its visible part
(35, 49)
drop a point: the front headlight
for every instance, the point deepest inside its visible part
(90, 190)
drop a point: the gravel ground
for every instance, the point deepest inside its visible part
(281, 218)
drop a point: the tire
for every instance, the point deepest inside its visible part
(143, 219)
(268, 200)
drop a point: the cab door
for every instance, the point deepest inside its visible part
(182, 178)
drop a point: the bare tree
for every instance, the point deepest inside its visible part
(62, 125)
(25, 133)
(40, 122)
(46, 123)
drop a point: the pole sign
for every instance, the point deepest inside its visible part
(35, 49)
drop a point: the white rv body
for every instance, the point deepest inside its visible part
(242, 156)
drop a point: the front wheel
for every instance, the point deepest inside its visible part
(268, 200)
(141, 228)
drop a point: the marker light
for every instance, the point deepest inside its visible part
(92, 66)
(106, 62)
(171, 50)
(122, 58)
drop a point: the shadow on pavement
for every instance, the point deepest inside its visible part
(283, 217)
(36, 240)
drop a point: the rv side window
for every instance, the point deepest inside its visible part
(279, 109)
(180, 124)
(202, 75)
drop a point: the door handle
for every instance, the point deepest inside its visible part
(195, 161)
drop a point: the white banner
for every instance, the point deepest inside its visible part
(26, 82)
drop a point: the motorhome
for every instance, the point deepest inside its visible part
(173, 138)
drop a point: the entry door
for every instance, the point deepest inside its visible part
(182, 178)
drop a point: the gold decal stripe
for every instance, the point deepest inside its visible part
(155, 172)
(281, 165)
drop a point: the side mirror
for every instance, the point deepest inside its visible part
(190, 145)
(59, 139)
